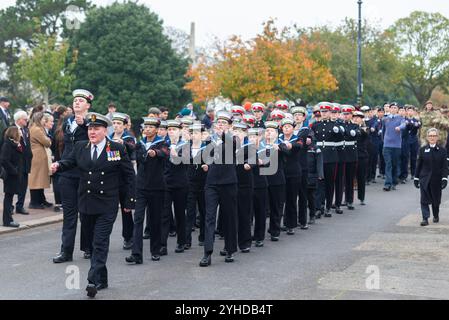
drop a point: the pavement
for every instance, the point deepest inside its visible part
(378, 251)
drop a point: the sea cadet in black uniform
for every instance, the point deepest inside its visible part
(103, 165)
(75, 130)
(151, 153)
(362, 155)
(221, 188)
(258, 111)
(176, 183)
(315, 173)
(122, 136)
(340, 168)
(351, 133)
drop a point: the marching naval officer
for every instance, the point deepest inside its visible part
(103, 165)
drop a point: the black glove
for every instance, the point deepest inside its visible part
(443, 184)
(416, 182)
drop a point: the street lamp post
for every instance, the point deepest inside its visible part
(359, 57)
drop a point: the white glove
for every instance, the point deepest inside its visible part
(353, 133)
(372, 129)
(416, 124)
(336, 130)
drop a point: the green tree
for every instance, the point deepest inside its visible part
(423, 39)
(47, 68)
(123, 56)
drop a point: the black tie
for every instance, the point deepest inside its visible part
(95, 156)
(24, 136)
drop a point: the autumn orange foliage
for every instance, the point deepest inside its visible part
(272, 66)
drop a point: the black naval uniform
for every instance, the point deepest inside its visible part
(259, 124)
(197, 180)
(362, 162)
(340, 168)
(150, 188)
(221, 189)
(99, 189)
(327, 134)
(352, 132)
(315, 173)
(260, 196)
(176, 183)
(69, 183)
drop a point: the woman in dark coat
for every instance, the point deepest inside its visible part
(431, 176)
(12, 160)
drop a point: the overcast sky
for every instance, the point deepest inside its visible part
(222, 18)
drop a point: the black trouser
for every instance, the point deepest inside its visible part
(276, 195)
(226, 197)
(329, 182)
(195, 196)
(260, 208)
(244, 209)
(291, 202)
(339, 183)
(7, 213)
(405, 153)
(22, 192)
(37, 197)
(311, 192)
(177, 197)
(373, 160)
(361, 178)
(56, 188)
(320, 195)
(220, 223)
(127, 218)
(381, 160)
(414, 148)
(426, 211)
(69, 198)
(100, 226)
(350, 174)
(302, 199)
(153, 203)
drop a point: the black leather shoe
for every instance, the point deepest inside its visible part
(102, 286)
(259, 244)
(163, 251)
(274, 239)
(229, 258)
(146, 236)
(436, 220)
(187, 246)
(350, 206)
(284, 228)
(155, 257)
(201, 243)
(328, 214)
(179, 248)
(36, 206)
(57, 209)
(127, 245)
(223, 253)
(62, 257)
(22, 211)
(424, 223)
(338, 210)
(304, 227)
(47, 204)
(362, 203)
(12, 224)
(91, 290)
(206, 261)
(87, 255)
(290, 232)
(387, 189)
(133, 259)
(246, 250)
(172, 234)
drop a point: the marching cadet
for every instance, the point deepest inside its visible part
(277, 116)
(431, 176)
(246, 160)
(162, 131)
(221, 189)
(122, 136)
(340, 168)
(375, 141)
(237, 113)
(351, 133)
(281, 105)
(362, 155)
(197, 179)
(305, 135)
(414, 126)
(326, 133)
(249, 120)
(75, 130)
(260, 194)
(269, 149)
(176, 184)
(103, 165)
(258, 111)
(152, 154)
(290, 146)
(315, 173)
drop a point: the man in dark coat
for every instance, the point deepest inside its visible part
(431, 176)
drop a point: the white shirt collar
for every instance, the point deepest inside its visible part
(433, 145)
(100, 147)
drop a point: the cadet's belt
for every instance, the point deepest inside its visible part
(350, 143)
(329, 144)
